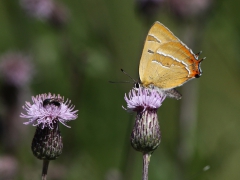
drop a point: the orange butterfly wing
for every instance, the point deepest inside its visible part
(166, 62)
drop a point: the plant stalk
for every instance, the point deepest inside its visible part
(146, 161)
(45, 169)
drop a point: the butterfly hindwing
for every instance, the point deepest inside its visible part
(166, 62)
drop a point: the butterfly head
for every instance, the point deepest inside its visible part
(199, 73)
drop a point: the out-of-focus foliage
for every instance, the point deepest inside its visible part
(78, 54)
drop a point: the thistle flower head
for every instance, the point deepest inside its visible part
(46, 112)
(141, 99)
(48, 109)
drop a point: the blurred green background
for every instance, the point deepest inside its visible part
(76, 50)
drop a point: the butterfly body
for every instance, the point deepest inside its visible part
(166, 62)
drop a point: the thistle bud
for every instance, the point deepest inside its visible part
(146, 134)
(47, 143)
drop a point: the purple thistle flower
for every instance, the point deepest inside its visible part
(46, 112)
(146, 135)
(141, 99)
(45, 115)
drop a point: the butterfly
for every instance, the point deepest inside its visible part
(166, 62)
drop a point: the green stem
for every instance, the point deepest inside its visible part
(45, 169)
(146, 161)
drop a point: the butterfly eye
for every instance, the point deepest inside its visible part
(197, 75)
(137, 85)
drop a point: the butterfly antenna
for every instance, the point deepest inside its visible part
(199, 53)
(202, 59)
(119, 82)
(128, 76)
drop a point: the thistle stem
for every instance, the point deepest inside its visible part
(45, 169)
(146, 161)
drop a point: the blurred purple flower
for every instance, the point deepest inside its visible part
(47, 10)
(186, 8)
(16, 69)
(148, 7)
(48, 109)
(8, 167)
(38, 8)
